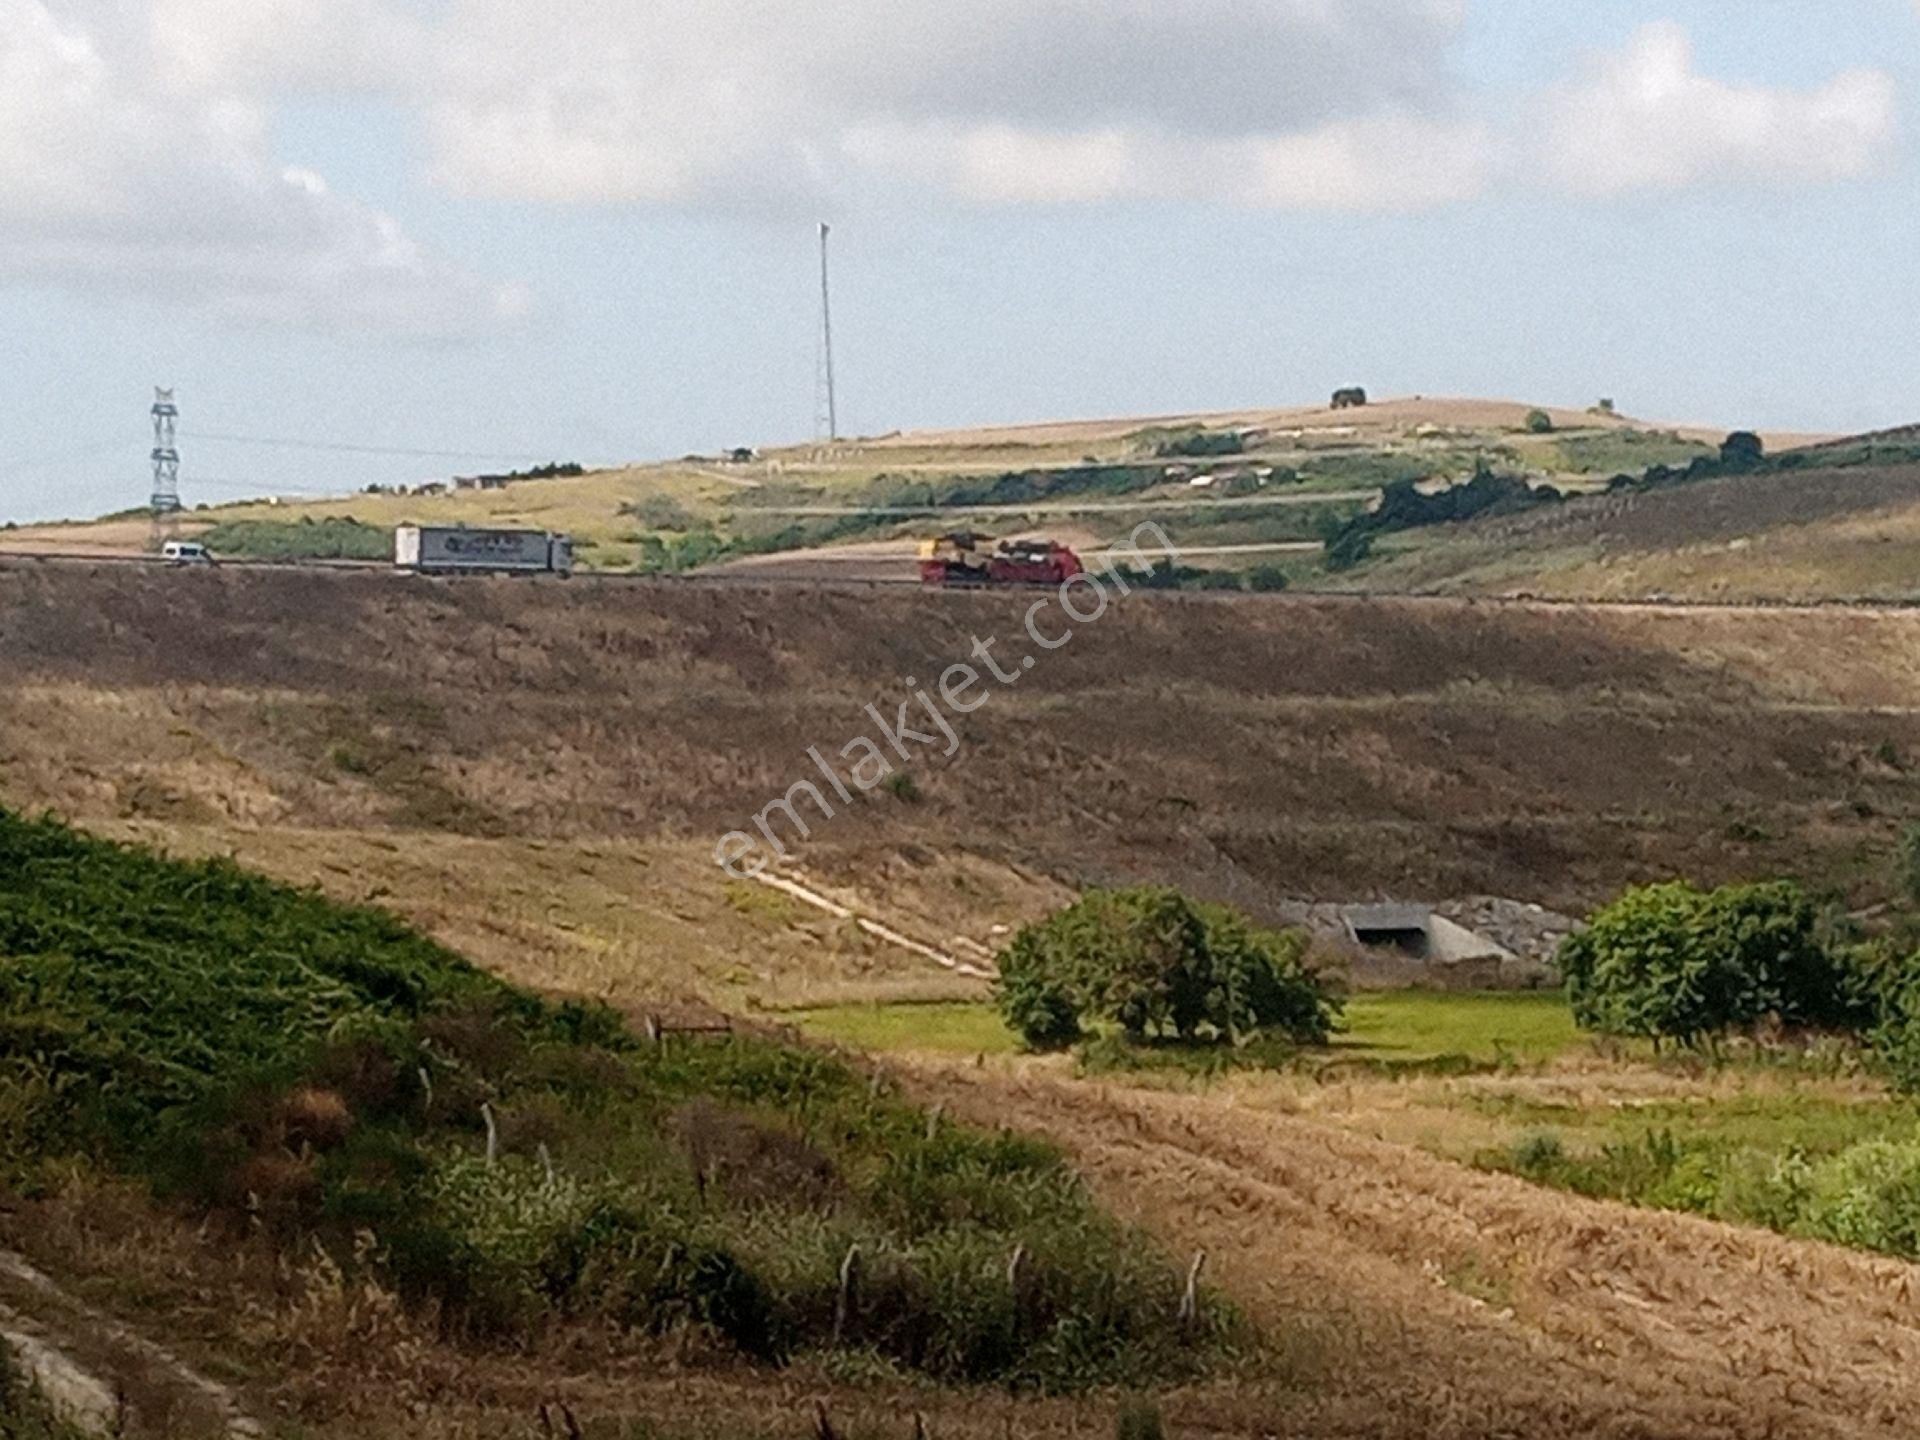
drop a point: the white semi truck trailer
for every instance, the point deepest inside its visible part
(448, 550)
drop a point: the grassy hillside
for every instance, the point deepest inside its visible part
(324, 1077)
(1806, 532)
(1234, 488)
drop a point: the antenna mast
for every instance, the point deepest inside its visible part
(164, 499)
(827, 413)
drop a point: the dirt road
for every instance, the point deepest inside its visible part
(1469, 1304)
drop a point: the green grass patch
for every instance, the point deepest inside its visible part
(303, 539)
(1416, 1026)
(1845, 1170)
(1407, 1026)
(316, 1072)
(1621, 451)
(962, 1029)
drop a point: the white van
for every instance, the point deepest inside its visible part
(186, 552)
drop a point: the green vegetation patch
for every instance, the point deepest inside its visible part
(1845, 1171)
(935, 1029)
(1611, 451)
(1676, 964)
(1423, 1025)
(303, 539)
(274, 1060)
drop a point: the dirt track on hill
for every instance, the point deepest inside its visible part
(1483, 1305)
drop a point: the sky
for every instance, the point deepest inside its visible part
(387, 240)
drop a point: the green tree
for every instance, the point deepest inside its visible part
(1539, 422)
(1742, 450)
(1154, 963)
(1674, 962)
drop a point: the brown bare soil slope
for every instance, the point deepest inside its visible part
(1484, 1306)
(1250, 749)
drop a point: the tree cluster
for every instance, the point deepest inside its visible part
(1676, 962)
(1672, 962)
(1155, 964)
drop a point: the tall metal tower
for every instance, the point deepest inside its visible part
(826, 415)
(165, 499)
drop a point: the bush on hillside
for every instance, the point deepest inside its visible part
(1674, 962)
(1350, 546)
(1742, 451)
(661, 512)
(1403, 505)
(1201, 444)
(1154, 963)
(1539, 422)
(304, 539)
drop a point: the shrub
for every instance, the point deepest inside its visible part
(661, 512)
(303, 539)
(1200, 444)
(1268, 579)
(1886, 984)
(1350, 547)
(1742, 450)
(1539, 422)
(1404, 506)
(1867, 1196)
(1152, 962)
(1673, 962)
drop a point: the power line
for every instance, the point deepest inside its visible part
(45, 462)
(263, 486)
(288, 443)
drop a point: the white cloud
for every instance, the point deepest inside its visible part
(1382, 163)
(135, 145)
(1268, 102)
(271, 47)
(108, 181)
(1645, 119)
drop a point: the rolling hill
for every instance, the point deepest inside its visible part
(1232, 490)
(1850, 532)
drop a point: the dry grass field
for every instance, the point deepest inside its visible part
(1318, 748)
(1800, 535)
(537, 773)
